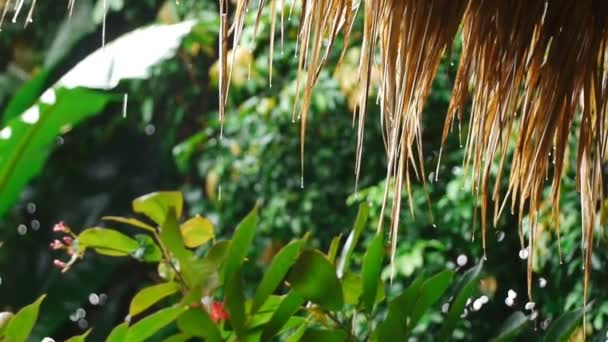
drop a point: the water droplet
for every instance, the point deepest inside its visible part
(21, 229)
(301, 182)
(477, 304)
(47, 339)
(48, 97)
(533, 315)
(59, 141)
(523, 254)
(432, 177)
(31, 208)
(530, 306)
(465, 312)
(35, 224)
(468, 301)
(103, 298)
(462, 260)
(32, 115)
(500, 236)
(81, 313)
(511, 294)
(93, 299)
(542, 282)
(451, 63)
(125, 100)
(545, 324)
(484, 299)
(139, 253)
(83, 324)
(74, 317)
(150, 129)
(445, 307)
(509, 301)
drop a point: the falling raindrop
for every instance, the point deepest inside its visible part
(523, 254)
(31, 208)
(500, 235)
(462, 260)
(0, 280)
(35, 224)
(81, 313)
(125, 100)
(74, 317)
(464, 313)
(530, 305)
(150, 129)
(21, 229)
(445, 307)
(434, 225)
(432, 177)
(511, 294)
(477, 304)
(93, 299)
(219, 193)
(83, 324)
(542, 282)
(509, 301)
(301, 182)
(545, 324)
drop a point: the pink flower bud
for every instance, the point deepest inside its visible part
(55, 245)
(60, 227)
(68, 240)
(59, 264)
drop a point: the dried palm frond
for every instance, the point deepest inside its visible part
(528, 64)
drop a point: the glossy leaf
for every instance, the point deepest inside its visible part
(316, 335)
(79, 338)
(197, 231)
(107, 241)
(313, 277)
(27, 139)
(178, 338)
(21, 325)
(240, 244)
(280, 265)
(149, 296)
(353, 238)
(119, 333)
(465, 288)
(512, 327)
(148, 250)
(196, 322)
(26, 96)
(130, 221)
(371, 271)
(561, 329)
(171, 236)
(150, 325)
(157, 204)
(289, 306)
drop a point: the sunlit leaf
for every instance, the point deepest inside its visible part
(157, 204)
(130, 221)
(21, 325)
(79, 338)
(119, 333)
(197, 231)
(150, 325)
(107, 241)
(280, 265)
(148, 296)
(314, 278)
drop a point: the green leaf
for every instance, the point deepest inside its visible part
(512, 327)
(218, 252)
(333, 248)
(107, 241)
(26, 96)
(316, 335)
(21, 325)
(465, 288)
(313, 277)
(240, 244)
(157, 204)
(431, 291)
(296, 336)
(28, 139)
(371, 271)
(353, 238)
(289, 306)
(150, 325)
(171, 237)
(119, 333)
(130, 221)
(392, 328)
(148, 249)
(197, 231)
(235, 302)
(196, 322)
(79, 338)
(178, 338)
(5, 317)
(561, 329)
(352, 287)
(280, 265)
(148, 296)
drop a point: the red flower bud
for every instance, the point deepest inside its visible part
(217, 312)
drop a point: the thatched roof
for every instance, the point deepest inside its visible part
(529, 68)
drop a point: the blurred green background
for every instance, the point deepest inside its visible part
(169, 139)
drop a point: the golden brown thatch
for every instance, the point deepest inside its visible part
(528, 64)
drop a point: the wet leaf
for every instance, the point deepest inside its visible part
(150, 325)
(196, 322)
(130, 221)
(107, 241)
(151, 295)
(79, 338)
(119, 333)
(289, 306)
(157, 204)
(197, 231)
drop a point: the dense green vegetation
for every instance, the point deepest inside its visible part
(94, 157)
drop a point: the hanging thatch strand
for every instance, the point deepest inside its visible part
(528, 66)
